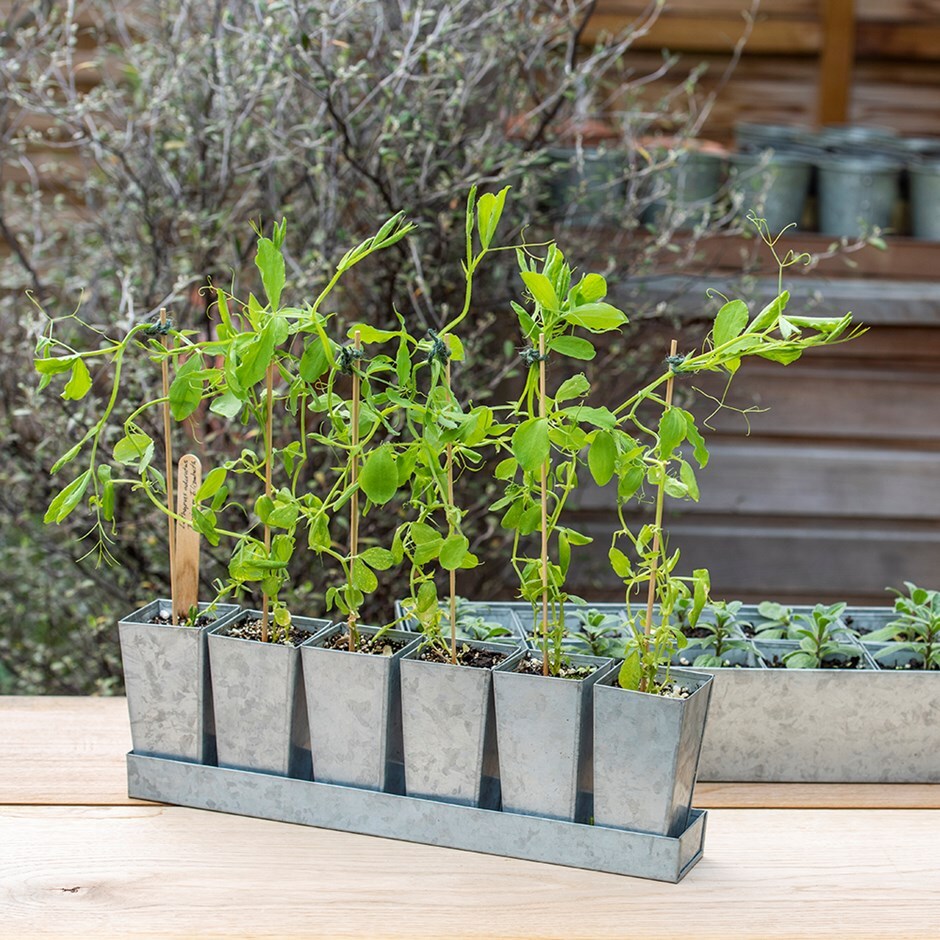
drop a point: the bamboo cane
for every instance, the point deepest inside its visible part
(544, 501)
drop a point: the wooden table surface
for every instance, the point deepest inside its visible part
(79, 859)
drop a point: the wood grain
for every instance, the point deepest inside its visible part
(173, 872)
(186, 576)
(59, 750)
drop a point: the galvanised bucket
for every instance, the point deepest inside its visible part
(166, 674)
(354, 709)
(857, 193)
(450, 728)
(544, 730)
(925, 199)
(260, 707)
(775, 189)
(646, 754)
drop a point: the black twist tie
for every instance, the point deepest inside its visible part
(439, 349)
(675, 363)
(530, 355)
(158, 328)
(348, 356)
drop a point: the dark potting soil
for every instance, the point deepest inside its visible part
(905, 667)
(696, 633)
(748, 630)
(466, 656)
(166, 619)
(531, 666)
(777, 663)
(384, 646)
(250, 629)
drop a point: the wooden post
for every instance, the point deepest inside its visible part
(544, 502)
(354, 479)
(168, 454)
(654, 565)
(836, 61)
(186, 592)
(268, 485)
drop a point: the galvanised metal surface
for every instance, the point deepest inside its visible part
(260, 706)
(415, 820)
(646, 754)
(865, 620)
(822, 726)
(354, 710)
(502, 613)
(450, 728)
(166, 673)
(544, 729)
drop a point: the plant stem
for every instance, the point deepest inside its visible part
(654, 563)
(354, 497)
(543, 495)
(168, 451)
(268, 488)
(450, 508)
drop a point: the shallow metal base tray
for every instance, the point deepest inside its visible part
(535, 838)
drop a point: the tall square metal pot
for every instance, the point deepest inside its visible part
(646, 754)
(449, 723)
(260, 707)
(354, 709)
(166, 675)
(544, 731)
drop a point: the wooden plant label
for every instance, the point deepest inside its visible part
(186, 588)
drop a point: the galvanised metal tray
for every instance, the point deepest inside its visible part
(305, 802)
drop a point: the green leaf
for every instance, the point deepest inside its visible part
(67, 498)
(69, 456)
(186, 389)
(784, 354)
(672, 431)
(381, 559)
(455, 347)
(596, 417)
(506, 469)
(453, 551)
(630, 672)
(542, 289)
(255, 357)
(379, 475)
(602, 457)
(530, 443)
(369, 334)
(318, 536)
(596, 317)
(211, 484)
(78, 385)
(270, 262)
(575, 347)
(630, 481)
(767, 318)
(591, 288)
(362, 577)
(620, 563)
(489, 210)
(135, 448)
(54, 365)
(687, 476)
(314, 362)
(699, 450)
(730, 322)
(423, 534)
(226, 405)
(575, 387)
